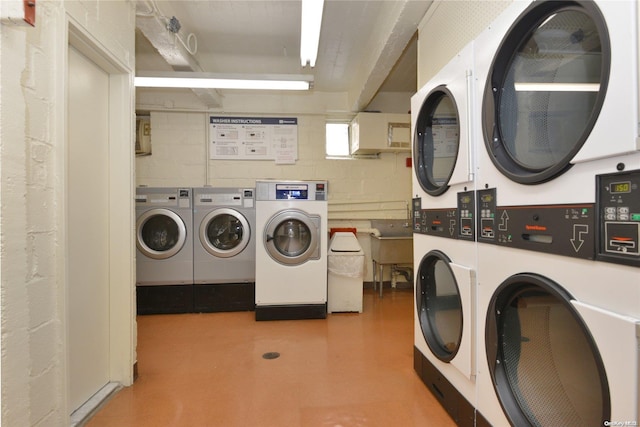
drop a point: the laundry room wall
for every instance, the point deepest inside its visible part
(447, 27)
(359, 189)
(32, 158)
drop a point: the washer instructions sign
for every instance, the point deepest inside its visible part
(253, 138)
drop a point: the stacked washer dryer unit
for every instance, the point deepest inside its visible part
(164, 256)
(444, 237)
(224, 252)
(291, 250)
(558, 215)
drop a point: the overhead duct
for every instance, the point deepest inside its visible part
(162, 33)
(401, 24)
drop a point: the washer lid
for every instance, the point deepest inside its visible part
(344, 242)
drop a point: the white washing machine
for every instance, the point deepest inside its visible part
(557, 85)
(444, 237)
(558, 342)
(164, 255)
(224, 251)
(443, 141)
(445, 323)
(291, 251)
(557, 154)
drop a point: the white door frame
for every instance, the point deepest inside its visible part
(122, 311)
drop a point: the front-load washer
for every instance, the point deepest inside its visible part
(444, 326)
(224, 221)
(442, 136)
(551, 76)
(557, 85)
(164, 255)
(558, 341)
(291, 250)
(444, 236)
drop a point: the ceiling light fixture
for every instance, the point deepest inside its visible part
(310, 24)
(191, 80)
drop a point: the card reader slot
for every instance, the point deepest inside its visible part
(538, 238)
(623, 242)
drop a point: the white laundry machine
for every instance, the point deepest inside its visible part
(164, 255)
(444, 237)
(556, 171)
(442, 137)
(558, 342)
(291, 250)
(557, 81)
(224, 254)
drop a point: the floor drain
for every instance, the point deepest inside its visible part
(271, 355)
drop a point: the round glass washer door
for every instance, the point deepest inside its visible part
(545, 366)
(545, 89)
(224, 232)
(292, 237)
(439, 306)
(437, 139)
(161, 233)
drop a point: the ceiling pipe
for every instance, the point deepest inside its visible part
(153, 25)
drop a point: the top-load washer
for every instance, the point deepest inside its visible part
(164, 255)
(224, 249)
(444, 236)
(559, 156)
(291, 250)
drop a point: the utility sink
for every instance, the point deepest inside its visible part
(394, 244)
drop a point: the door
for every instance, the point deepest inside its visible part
(224, 232)
(292, 237)
(545, 365)
(161, 233)
(546, 89)
(446, 311)
(437, 140)
(87, 228)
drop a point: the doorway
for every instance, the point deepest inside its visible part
(98, 222)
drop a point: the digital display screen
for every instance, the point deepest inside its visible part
(620, 187)
(486, 198)
(291, 192)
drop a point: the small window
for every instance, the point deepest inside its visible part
(337, 142)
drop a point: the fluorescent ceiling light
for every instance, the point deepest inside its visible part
(189, 80)
(310, 23)
(557, 87)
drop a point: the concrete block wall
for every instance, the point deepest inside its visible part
(32, 153)
(447, 27)
(179, 158)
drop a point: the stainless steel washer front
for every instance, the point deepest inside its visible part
(224, 232)
(161, 233)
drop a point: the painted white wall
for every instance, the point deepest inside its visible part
(32, 159)
(447, 27)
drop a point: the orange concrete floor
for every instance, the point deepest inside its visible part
(347, 370)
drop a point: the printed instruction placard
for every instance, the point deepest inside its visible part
(253, 138)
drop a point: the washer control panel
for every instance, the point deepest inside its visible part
(435, 222)
(566, 230)
(466, 215)
(618, 197)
